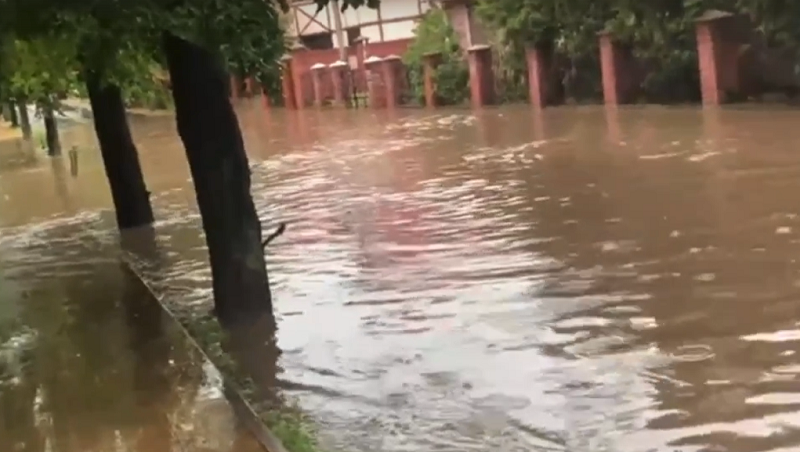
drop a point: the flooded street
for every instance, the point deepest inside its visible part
(578, 280)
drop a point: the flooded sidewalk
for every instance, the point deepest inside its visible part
(89, 361)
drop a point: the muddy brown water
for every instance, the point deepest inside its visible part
(580, 280)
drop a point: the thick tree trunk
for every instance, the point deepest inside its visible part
(51, 132)
(13, 118)
(120, 157)
(24, 119)
(214, 147)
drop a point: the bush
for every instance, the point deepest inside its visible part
(435, 34)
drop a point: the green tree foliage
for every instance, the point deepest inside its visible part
(661, 33)
(434, 34)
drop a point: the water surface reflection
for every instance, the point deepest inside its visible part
(578, 280)
(87, 361)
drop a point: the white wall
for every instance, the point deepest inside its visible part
(390, 10)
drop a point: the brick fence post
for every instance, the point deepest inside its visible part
(430, 62)
(287, 83)
(539, 58)
(392, 67)
(317, 71)
(720, 36)
(339, 71)
(618, 69)
(375, 84)
(481, 76)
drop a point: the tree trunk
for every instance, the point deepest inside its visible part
(210, 133)
(51, 131)
(120, 157)
(24, 119)
(13, 118)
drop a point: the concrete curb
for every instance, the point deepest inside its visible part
(243, 410)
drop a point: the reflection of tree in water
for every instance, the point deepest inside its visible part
(90, 389)
(247, 347)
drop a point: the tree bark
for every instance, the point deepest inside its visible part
(120, 156)
(24, 119)
(13, 118)
(51, 131)
(210, 133)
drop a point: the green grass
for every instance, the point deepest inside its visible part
(40, 138)
(294, 429)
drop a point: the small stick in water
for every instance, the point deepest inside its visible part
(278, 231)
(73, 161)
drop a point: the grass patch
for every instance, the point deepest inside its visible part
(40, 138)
(295, 430)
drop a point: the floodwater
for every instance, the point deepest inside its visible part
(579, 280)
(88, 360)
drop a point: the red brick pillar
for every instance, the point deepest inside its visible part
(287, 84)
(392, 66)
(539, 59)
(430, 61)
(719, 39)
(375, 84)
(618, 70)
(539, 128)
(340, 81)
(481, 77)
(317, 72)
(360, 49)
(613, 128)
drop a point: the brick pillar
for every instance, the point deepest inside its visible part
(618, 70)
(375, 84)
(392, 67)
(300, 94)
(712, 127)
(481, 77)
(317, 72)
(539, 128)
(430, 62)
(287, 84)
(539, 58)
(361, 76)
(613, 128)
(340, 81)
(719, 39)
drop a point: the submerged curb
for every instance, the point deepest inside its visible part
(265, 437)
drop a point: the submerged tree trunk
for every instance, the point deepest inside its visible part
(51, 131)
(24, 119)
(214, 147)
(13, 118)
(120, 157)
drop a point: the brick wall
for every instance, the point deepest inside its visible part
(303, 59)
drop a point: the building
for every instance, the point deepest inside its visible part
(316, 30)
(385, 31)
